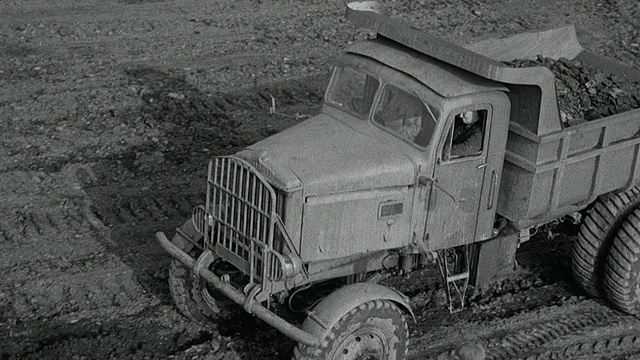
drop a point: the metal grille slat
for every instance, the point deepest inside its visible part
(215, 213)
(251, 199)
(259, 232)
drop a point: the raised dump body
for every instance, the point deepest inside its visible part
(549, 171)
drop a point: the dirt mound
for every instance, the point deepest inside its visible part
(585, 93)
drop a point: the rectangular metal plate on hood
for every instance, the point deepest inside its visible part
(388, 209)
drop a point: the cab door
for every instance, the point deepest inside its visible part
(458, 185)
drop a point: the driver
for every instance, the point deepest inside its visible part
(467, 134)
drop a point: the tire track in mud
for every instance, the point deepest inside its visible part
(126, 210)
(53, 266)
(122, 338)
(528, 341)
(613, 346)
(54, 255)
(515, 343)
(21, 227)
(28, 224)
(524, 302)
(129, 218)
(98, 285)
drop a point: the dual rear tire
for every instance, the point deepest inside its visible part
(605, 255)
(622, 271)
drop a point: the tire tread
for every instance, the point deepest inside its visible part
(305, 352)
(596, 235)
(186, 295)
(622, 263)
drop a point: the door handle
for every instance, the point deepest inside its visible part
(492, 189)
(481, 166)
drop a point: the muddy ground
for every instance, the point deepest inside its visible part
(108, 113)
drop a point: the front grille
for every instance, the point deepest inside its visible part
(243, 206)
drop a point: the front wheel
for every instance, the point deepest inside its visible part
(375, 330)
(192, 297)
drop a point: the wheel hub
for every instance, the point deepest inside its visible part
(364, 344)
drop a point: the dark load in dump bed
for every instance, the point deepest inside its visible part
(586, 93)
(549, 170)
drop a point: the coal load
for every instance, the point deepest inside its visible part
(585, 93)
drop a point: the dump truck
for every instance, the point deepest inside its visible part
(424, 152)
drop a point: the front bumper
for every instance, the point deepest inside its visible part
(247, 301)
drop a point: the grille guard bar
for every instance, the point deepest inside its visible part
(232, 293)
(243, 203)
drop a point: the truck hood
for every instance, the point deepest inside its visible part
(325, 156)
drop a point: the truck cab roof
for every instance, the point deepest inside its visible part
(444, 79)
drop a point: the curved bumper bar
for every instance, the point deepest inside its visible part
(232, 293)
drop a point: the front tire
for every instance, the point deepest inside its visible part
(375, 330)
(191, 296)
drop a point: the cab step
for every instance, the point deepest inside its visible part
(453, 264)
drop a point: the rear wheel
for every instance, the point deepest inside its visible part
(623, 267)
(596, 235)
(375, 330)
(192, 297)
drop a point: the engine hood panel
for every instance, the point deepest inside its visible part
(327, 156)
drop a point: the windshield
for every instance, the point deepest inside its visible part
(404, 115)
(353, 90)
(398, 111)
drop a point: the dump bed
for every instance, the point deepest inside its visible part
(549, 171)
(548, 176)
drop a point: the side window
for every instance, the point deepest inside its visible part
(404, 115)
(466, 136)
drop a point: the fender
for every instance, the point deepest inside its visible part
(186, 236)
(332, 308)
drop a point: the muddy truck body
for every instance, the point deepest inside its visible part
(424, 151)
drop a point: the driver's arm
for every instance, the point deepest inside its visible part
(470, 146)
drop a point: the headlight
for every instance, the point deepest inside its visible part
(290, 267)
(282, 266)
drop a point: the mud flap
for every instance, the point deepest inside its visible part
(493, 259)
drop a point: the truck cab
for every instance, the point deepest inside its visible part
(390, 158)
